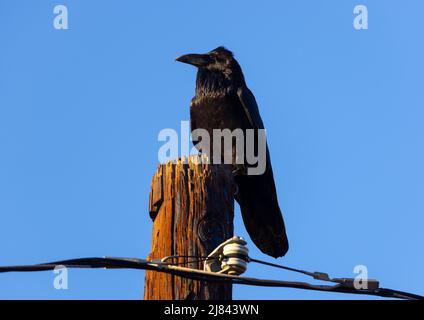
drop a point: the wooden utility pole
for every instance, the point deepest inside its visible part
(192, 208)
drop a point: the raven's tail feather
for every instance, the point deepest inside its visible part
(261, 214)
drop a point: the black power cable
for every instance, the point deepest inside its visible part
(141, 264)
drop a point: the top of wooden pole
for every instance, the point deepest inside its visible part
(198, 165)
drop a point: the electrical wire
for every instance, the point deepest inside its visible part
(141, 264)
(197, 259)
(315, 275)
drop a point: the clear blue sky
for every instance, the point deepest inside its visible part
(80, 110)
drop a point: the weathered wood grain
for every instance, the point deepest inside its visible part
(192, 208)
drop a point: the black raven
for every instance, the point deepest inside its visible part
(223, 101)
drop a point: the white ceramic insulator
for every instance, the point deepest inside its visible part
(234, 266)
(235, 248)
(235, 258)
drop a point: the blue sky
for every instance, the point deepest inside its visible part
(80, 111)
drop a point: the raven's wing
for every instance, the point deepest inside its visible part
(257, 195)
(251, 110)
(250, 107)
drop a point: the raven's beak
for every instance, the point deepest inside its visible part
(197, 60)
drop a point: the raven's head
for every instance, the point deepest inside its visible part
(218, 71)
(219, 59)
